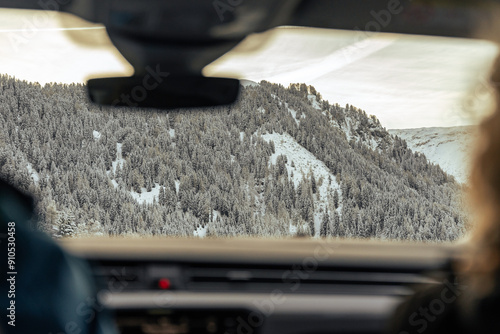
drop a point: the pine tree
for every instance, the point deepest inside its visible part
(65, 225)
(336, 199)
(325, 230)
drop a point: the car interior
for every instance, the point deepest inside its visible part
(242, 285)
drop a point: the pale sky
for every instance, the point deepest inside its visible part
(406, 81)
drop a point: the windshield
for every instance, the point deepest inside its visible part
(335, 134)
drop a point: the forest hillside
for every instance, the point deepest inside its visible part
(280, 162)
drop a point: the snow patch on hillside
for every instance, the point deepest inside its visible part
(96, 134)
(114, 183)
(200, 232)
(144, 196)
(33, 173)
(147, 196)
(119, 161)
(119, 158)
(305, 162)
(314, 101)
(294, 114)
(350, 124)
(450, 148)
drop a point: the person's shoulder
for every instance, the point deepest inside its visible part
(433, 308)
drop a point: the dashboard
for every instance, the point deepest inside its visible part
(250, 286)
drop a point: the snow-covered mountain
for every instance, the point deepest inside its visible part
(280, 162)
(449, 147)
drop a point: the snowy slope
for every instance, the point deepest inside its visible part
(96, 134)
(304, 161)
(145, 196)
(449, 147)
(33, 173)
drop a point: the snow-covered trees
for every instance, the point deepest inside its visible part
(65, 225)
(212, 170)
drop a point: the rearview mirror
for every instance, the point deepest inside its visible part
(164, 91)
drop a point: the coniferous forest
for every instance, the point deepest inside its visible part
(280, 162)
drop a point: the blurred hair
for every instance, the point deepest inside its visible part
(485, 198)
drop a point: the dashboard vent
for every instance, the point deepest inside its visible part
(217, 277)
(298, 279)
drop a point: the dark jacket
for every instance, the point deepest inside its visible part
(43, 289)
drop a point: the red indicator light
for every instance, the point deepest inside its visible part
(164, 283)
